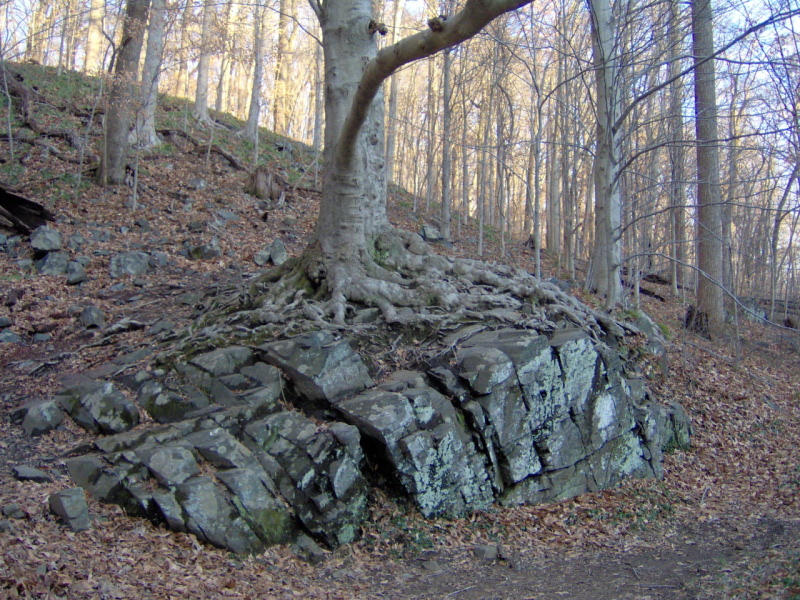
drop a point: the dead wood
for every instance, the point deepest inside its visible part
(20, 213)
(266, 184)
(202, 146)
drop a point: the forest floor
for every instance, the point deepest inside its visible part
(723, 523)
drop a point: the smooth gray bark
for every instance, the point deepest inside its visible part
(200, 110)
(144, 132)
(251, 127)
(120, 99)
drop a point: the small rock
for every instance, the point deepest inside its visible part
(278, 254)
(429, 233)
(39, 338)
(161, 326)
(262, 257)
(13, 511)
(196, 183)
(9, 337)
(45, 239)
(159, 259)
(91, 316)
(5, 322)
(308, 550)
(53, 263)
(129, 263)
(6, 526)
(432, 566)
(75, 273)
(227, 215)
(70, 505)
(485, 552)
(23, 473)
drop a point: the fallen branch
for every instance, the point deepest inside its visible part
(234, 162)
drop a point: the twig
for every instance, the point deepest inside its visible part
(466, 589)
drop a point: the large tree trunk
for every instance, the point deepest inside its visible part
(709, 222)
(604, 270)
(120, 99)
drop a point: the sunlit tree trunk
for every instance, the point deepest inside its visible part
(120, 99)
(709, 221)
(93, 61)
(281, 98)
(200, 110)
(144, 132)
(253, 115)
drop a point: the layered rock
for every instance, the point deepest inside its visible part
(261, 444)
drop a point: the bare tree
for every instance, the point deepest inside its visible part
(121, 96)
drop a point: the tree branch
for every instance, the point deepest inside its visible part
(475, 15)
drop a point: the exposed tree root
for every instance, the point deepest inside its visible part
(410, 284)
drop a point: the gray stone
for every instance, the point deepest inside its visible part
(171, 465)
(24, 473)
(91, 316)
(227, 215)
(9, 337)
(429, 233)
(13, 511)
(486, 552)
(70, 505)
(261, 258)
(202, 251)
(45, 239)
(5, 322)
(224, 361)
(76, 273)
(277, 253)
(159, 259)
(212, 517)
(131, 264)
(53, 263)
(268, 517)
(196, 183)
(221, 449)
(314, 472)
(167, 406)
(308, 550)
(98, 477)
(319, 367)
(38, 418)
(6, 526)
(98, 406)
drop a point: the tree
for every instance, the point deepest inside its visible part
(200, 110)
(144, 132)
(120, 99)
(251, 126)
(709, 219)
(353, 229)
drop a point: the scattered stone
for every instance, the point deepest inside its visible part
(91, 316)
(70, 505)
(53, 263)
(489, 553)
(45, 239)
(9, 337)
(129, 263)
(38, 418)
(432, 566)
(202, 251)
(277, 253)
(39, 338)
(97, 405)
(13, 511)
(159, 259)
(5, 322)
(23, 473)
(262, 257)
(76, 273)
(429, 233)
(227, 215)
(196, 183)
(6, 526)
(161, 326)
(308, 550)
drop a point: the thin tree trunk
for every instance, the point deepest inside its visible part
(93, 62)
(391, 130)
(446, 145)
(144, 133)
(253, 115)
(200, 110)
